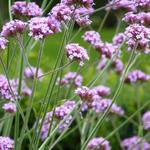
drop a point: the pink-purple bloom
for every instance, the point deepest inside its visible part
(135, 143)
(3, 43)
(9, 107)
(146, 120)
(28, 9)
(72, 78)
(143, 4)
(118, 39)
(13, 27)
(91, 37)
(76, 53)
(138, 37)
(6, 143)
(137, 75)
(98, 143)
(118, 66)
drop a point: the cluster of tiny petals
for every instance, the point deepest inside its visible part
(9, 107)
(106, 49)
(138, 36)
(76, 52)
(6, 143)
(137, 75)
(99, 106)
(61, 12)
(143, 3)
(118, 39)
(30, 72)
(13, 27)
(98, 143)
(135, 143)
(146, 120)
(72, 77)
(102, 91)
(91, 37)
(61, 112)
(126, 5)
(29, 9)
(3, 43)
(118, 66)
(141, 18)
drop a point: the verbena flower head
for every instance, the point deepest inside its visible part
(138, 37)
(26, 91)
(40, 27)
(9, 107)
(101, 105)
(81, 16)
(76, 53)
(61, 112)
(146, 120)
(61, 12)
(137, 75)
(6, 143)
(98, 143)
(13, 27)
(135, 143)
(30, 72)
(3, 43)
(102, 91)
(91, 37)
(106, 49)
(145, 4)
(29, 9)
(72, 78)
(102, 62)
(126, 5)
(118, 39)
(118, 66)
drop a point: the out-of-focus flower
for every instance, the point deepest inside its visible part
(60, 113)
(91, 37)
(9, 107)
(26, 91)
(126, 5)
(98, 143)
(61, 12)
(72, 77)
(102, 62)
(77, 53)
(28, 9)
(40, 27)
(99, 106)
(138, 37)
(137, 75)
(13, 27)
(102, 90)
(81, 16)
(146, 120)
(3, 43)
(118, 66)
(118, 39)
(106, 49)
(135, 143)
(30, 72)
(6, 143)
(145, 4)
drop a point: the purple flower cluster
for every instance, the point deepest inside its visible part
(3, 43)
(13, 27)
(138, 37)
(40, 27)
(135, 143)
(146, 120)
(141, 18)
(118, 39)
(28, 9)
(126, 5)
(76, 53)
(143, 4)
(137, 75)
(91, 37)
(30, 72)
(6, 143)
(98, 143)
(72, 77)
(61, 113)
(9, 107)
